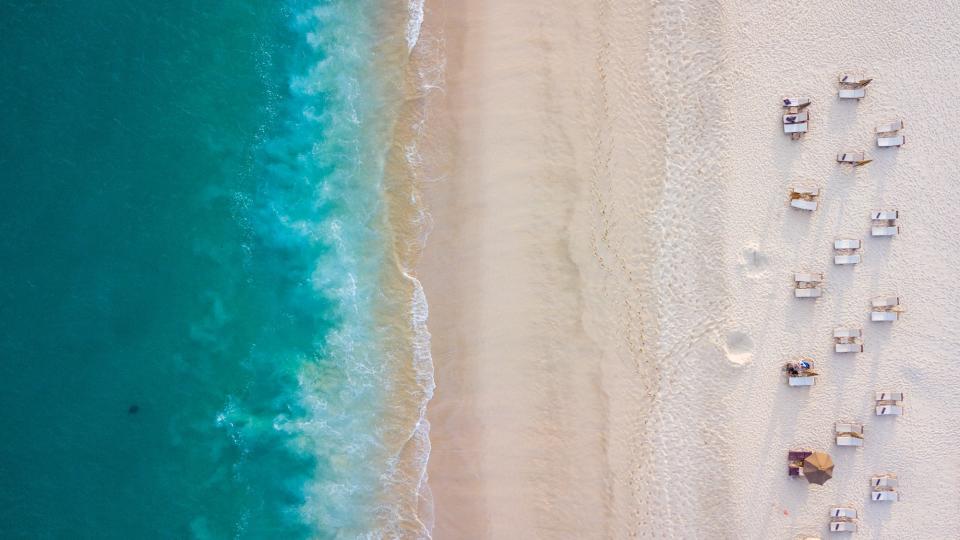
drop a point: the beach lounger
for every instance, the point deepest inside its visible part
(846, 251)
(843, 526)
(795, 462)
(885, 309)
(804, 198)
(884, 488)
(852, 87)
(896, 140)
(797, 103)
(800, 373)
(885, 301)
(795, 118)
(852, 93)
(848, 340)
(849, 434)
(843, 519)
(885, 495)
(807, 284)
(891, 127)
(843, 512)
(847, 259)
(795, 128)
(854, 158)
(884, 481)
(885, 223)
(849, 81)
(889, 403)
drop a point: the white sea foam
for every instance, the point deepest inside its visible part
(414, 22)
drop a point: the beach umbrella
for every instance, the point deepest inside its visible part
(818, 468)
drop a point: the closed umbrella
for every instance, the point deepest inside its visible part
(818, 468)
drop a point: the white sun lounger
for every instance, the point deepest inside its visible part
(847, 340)
(850, 157)
(850, 81)
(884, 481)
(889, 396)
(795, 128)
(885, 309)
(885, 142)
(795, 118)
(844, 512)
(855, 158)
(847, 259)
(849, 434)
(889, 410)
(846, 251)
(885, 301)
(885, 223)
(891, 127)
(807, 285)
(799, 103)
(808, 292)
(804, 198)
(885, 495)
(846, 243)
(889, 403)
(804, 376)
(843, 526)
(852, 93)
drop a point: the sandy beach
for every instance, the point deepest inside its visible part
(609, 269)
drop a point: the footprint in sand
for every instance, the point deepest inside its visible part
(739, 348)
(752, 261)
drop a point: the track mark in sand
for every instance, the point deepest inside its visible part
(752, 261)
(739, 348)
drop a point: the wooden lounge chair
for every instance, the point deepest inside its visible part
(854, 158)
(846, 251)
(889, 403)
(807, 285)
(849, 434)
(848, 340)
(885, 223)
(804, 198)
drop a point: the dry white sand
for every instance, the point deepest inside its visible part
(609, 271)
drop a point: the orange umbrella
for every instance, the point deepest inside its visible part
(818, 468)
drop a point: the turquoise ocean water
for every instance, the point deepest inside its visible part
(204, 332)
